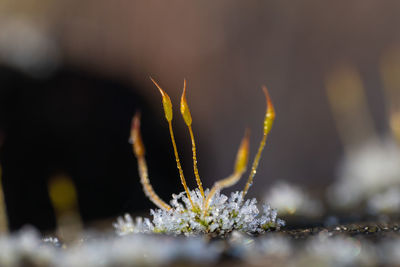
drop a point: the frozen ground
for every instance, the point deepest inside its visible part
(367, 244)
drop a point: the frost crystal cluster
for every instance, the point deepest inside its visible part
(200, 211)
(224, 216)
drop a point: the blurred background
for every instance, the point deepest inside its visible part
(74, 72)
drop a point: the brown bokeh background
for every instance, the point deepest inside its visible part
(227, 50)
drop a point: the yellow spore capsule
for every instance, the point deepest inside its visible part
(270, 114)
(242, 156)
(167, 104)
(184, 107)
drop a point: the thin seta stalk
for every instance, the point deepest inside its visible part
(188, 120)
(168, 115)
(139, 152)
(268, 122)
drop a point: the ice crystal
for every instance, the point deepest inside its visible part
(53, 241)
(224, 215)
(199, 211)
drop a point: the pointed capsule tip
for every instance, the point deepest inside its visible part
(270, 106)
(163, 94)
(135, 137)
(136, 120)
(247, 132)
(270, 113)
(244, 144)
(246, 140)
(165, 100)
(152, 79)
(183, 98)
(266, 93)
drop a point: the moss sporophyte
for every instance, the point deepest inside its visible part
(200, 211)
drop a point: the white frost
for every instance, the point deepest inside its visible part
(224, 215)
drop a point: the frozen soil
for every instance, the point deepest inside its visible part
(373, 231)
(353, 244)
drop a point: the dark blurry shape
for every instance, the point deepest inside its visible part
(368, 174)
(395, 125)
(63, 197)
(75, 123)
(346, 95)
(3, 215)
(62, 193)
(390, 70)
